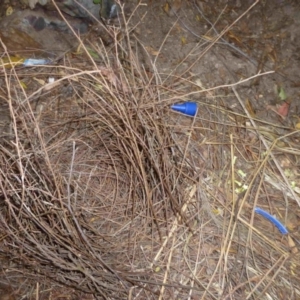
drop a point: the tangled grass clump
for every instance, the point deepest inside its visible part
(89, 180)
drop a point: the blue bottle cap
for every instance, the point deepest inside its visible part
(187, 108)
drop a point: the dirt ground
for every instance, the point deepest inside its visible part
(177, 36)
(265, 39)
(252, 47)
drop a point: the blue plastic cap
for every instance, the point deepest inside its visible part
(187, 108)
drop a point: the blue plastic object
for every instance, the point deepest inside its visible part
(272, 219)
(187, 108)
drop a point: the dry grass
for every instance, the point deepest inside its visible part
(106, 191)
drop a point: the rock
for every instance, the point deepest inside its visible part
(108, 9)
(31, 32)
(80, 8)
(42, 31)
(75, 8)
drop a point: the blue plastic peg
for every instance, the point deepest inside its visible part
(187, 108)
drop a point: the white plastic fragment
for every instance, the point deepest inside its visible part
(35, 62)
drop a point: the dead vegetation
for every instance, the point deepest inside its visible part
(107, 192)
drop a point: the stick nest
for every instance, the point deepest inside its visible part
(105, 190)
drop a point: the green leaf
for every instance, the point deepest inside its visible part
(96, 1)
(92, 53)
(282, 94)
